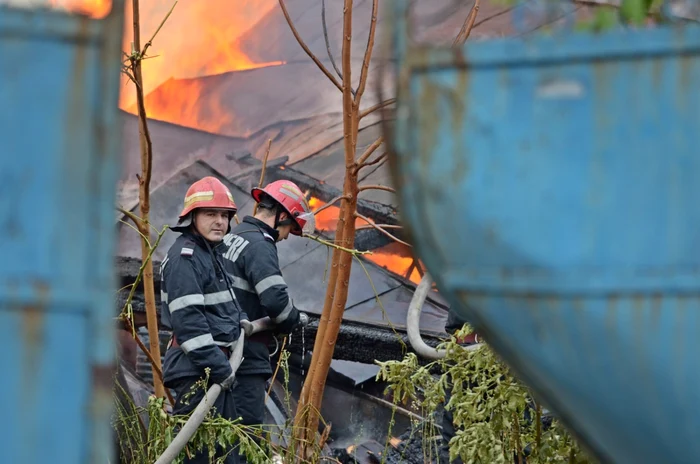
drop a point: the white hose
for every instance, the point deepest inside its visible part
(202, 409)
(413, 323)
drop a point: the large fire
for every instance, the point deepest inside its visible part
(198, 39)
(397, 258)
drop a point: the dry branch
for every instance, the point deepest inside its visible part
(377, 187)
(306, 49)
(368, 55)
(262, 175)
(330, 203)
(376, 107)
(157, 370)
(325, 36)
(383, 226)
(378, 159)
(468, 25)
(375, 226)
(368, 152)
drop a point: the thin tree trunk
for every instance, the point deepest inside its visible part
(345, 232)
(144, 204)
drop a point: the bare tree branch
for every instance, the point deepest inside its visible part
(262, 174)
(380, 229)
(377, 187)
(368, 152)
(376, 107)
(330, 203)
(325, 36)
(468, 25)
(383, 226)
(150, 41)
(379, 158)
(306, 49)
(368, 55)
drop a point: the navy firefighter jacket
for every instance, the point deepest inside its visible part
(200, 307)
(251, 260)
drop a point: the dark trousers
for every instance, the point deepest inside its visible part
(187, 401)
(249, 393)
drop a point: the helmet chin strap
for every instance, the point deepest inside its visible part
(284, 222)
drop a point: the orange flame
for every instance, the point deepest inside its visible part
(397, 258)
(327, 220)
(199, 38)
(93, 8)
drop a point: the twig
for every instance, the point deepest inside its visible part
(468, 25)
(379, 302)
(306, 49)
(142, 268)
(333, 245)
(376, 107)
(377, 187)
(368, 152)
(150, 41)
(262, 174)
(143, 237)
(277, 368)
(330, 203)
(410, 269)
(375, 226)
(384, 226)
(368, 55)
(379, 158)
(139, 342)
(325, 36)
(130, 215)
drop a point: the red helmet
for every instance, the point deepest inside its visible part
(293, 200)
(208, 192)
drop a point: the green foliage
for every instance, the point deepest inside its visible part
(143, 445)
(494, 414)
(162, 427)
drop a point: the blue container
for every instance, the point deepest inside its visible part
(59, 149)
(551, 187)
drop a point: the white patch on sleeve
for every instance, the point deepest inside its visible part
(186, 251)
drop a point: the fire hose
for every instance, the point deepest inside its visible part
(413, 323)
(202, 409)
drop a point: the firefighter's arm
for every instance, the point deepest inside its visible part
(265, 275)
(190, 327)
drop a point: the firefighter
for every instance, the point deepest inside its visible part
(252, 260)
(199, 305)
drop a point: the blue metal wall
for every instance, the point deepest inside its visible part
(550, 187)
(59, 148)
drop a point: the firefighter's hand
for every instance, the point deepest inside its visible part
(247, 327)
(228, 382)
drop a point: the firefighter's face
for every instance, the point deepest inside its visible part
(211, 223)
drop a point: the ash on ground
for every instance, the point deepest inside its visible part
(412, 447)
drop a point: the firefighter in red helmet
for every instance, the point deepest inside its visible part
(251, 259)
(199, 305)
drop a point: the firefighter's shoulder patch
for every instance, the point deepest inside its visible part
(186, 251)
(187, 248)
